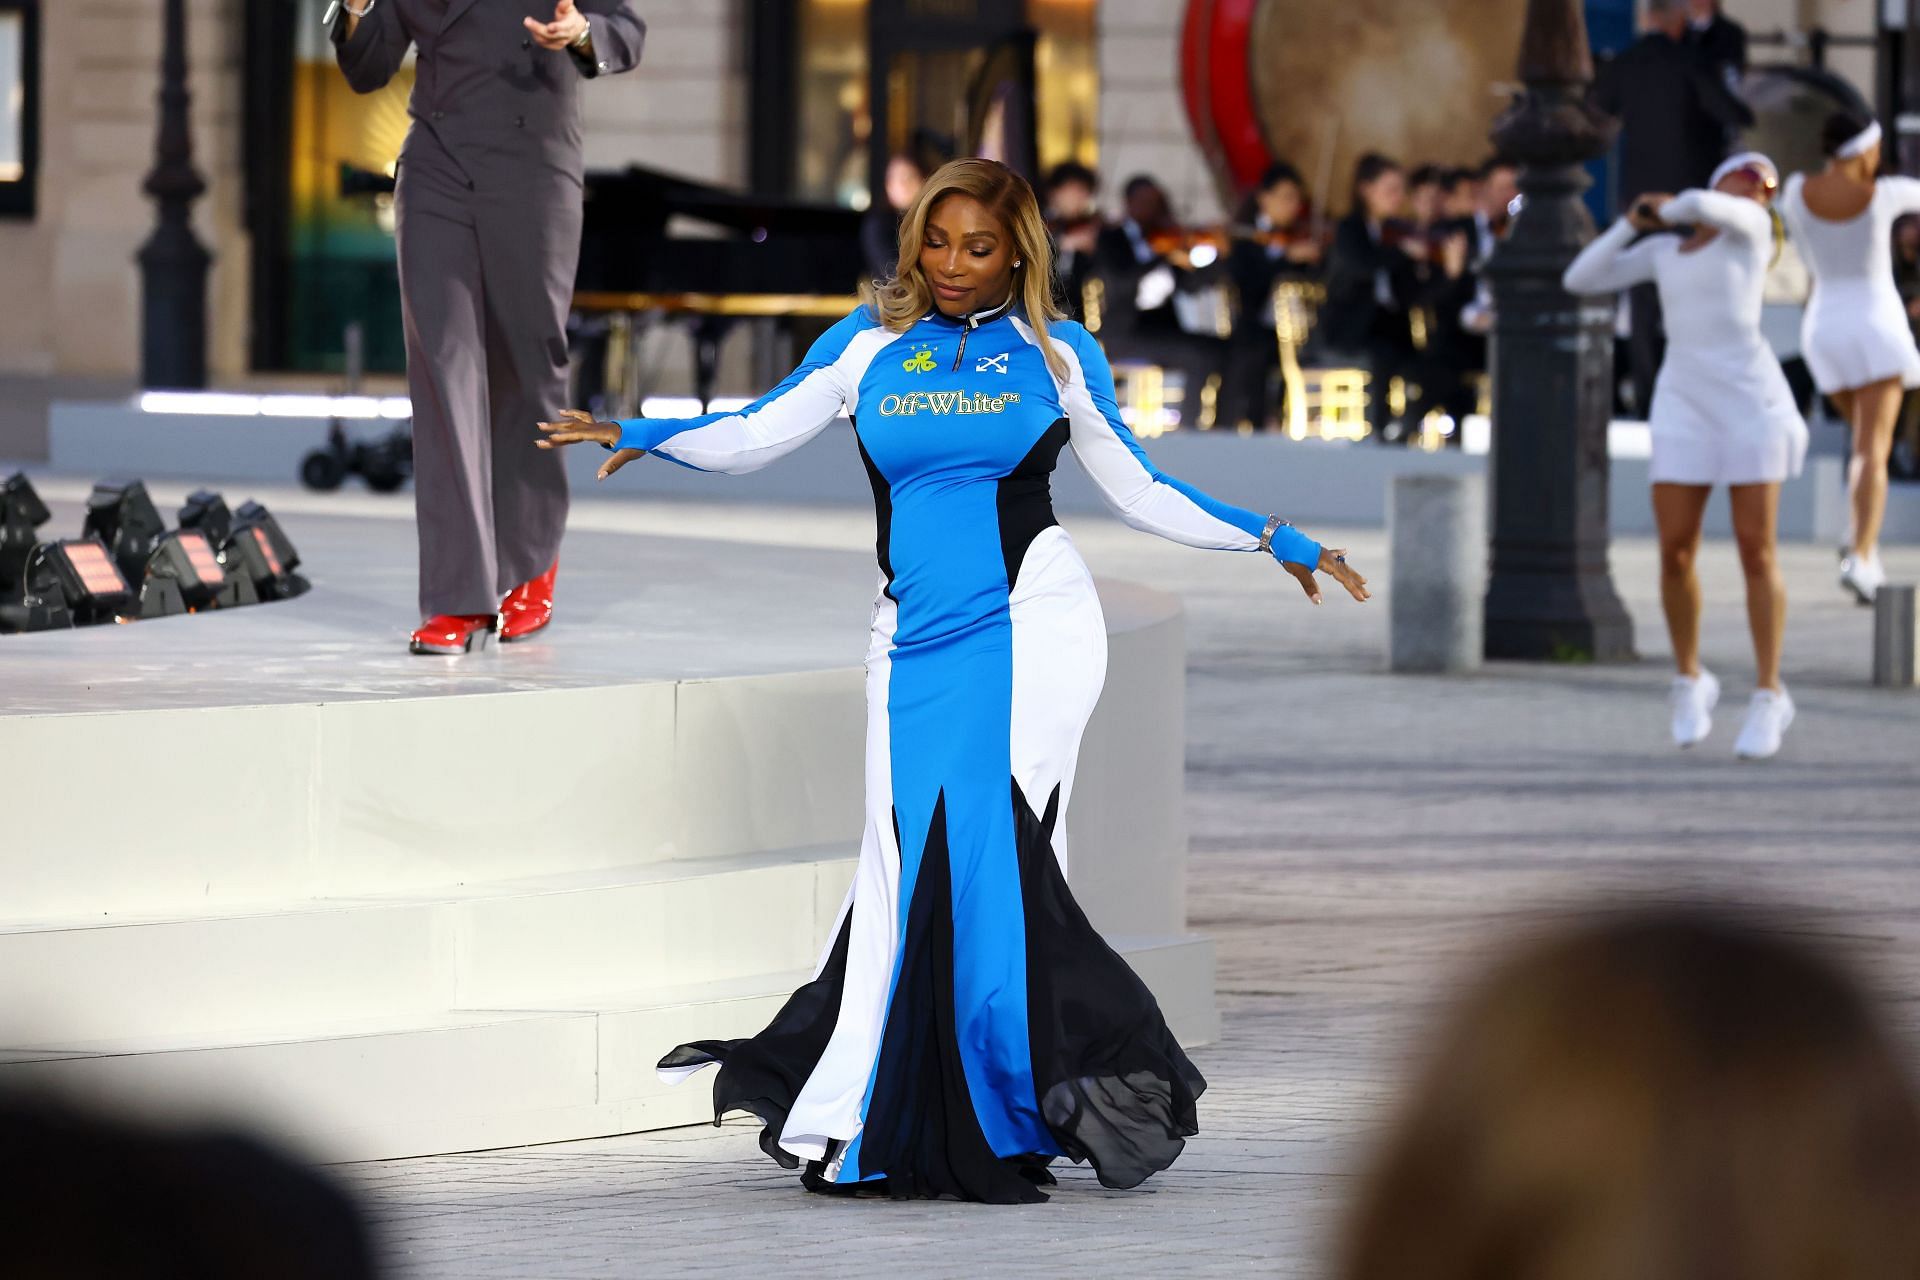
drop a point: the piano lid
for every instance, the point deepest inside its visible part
(653, 195)
(776, 246)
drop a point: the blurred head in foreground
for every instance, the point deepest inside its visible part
(91, 1196)
(1673, 1095)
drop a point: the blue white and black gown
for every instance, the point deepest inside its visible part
(966, 1023)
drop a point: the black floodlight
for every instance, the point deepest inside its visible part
(183, 576)
(122, 516)
(265, 553)
(21, 512)
(39, 603)
(207, 511)
(94, 587)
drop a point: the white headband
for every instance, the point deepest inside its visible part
(1860, 143)
(1745, 160)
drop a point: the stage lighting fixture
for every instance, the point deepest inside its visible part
(183, 575)
(21, 512)
(122, 516)
(92, 583)
(39, 604)
(207, 511)
(265, 553)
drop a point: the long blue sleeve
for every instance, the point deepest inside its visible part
(1139, 492)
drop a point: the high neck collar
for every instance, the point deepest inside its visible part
(974, 319)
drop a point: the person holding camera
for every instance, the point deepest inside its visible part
(1722, 414)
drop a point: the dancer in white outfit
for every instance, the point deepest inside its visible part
(1855, 335)
(1722, 414)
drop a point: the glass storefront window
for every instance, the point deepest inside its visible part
(18, 92)
(1066, 63)
(930, 95)
(340, 228)
(13, 96)
(834, 121)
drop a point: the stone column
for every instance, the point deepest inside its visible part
(1550, 594)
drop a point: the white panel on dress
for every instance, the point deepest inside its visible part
(1059, 668)
(829, 1103)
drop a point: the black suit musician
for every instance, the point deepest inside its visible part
(1073, 216)
(1142, 263)
(1372, 282)
(1272, 241)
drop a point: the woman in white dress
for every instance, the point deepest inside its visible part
(1855, 335)
(1722, 414)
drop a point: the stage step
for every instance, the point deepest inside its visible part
(467, 1078)
(518, 943)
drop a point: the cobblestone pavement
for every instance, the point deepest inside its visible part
(1360, 842)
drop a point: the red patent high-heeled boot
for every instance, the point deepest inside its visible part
(528, 607)
(454, 633)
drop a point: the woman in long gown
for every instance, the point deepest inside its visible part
(966, 1023)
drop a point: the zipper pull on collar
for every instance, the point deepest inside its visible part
(961, 350)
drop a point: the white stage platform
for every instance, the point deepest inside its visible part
(1311, 482)
(266, 864)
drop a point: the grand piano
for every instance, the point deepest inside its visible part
(769, 260)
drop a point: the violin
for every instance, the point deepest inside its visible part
(1089, 221)
(1164, 240)
(1419, 242)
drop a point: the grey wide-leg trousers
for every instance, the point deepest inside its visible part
(486, 281)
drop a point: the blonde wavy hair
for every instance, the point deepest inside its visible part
(906, 298)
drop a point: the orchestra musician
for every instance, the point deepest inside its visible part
(880, 227)
(1274, 241)
(1073, 216)
(1460, 303)
(1459, 194)
(1371, 282)
(1143, 262)
(1427, 196)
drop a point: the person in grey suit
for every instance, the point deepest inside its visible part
(488, 205)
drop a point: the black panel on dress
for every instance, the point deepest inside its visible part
(763, 1075)
(1025, 498)
(1116, 1089)
(882, 511)
(921, 1130)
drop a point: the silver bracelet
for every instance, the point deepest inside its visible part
(585, 37)
(1274, 524)
(336, 6)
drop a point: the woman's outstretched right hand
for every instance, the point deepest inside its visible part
(580, 427)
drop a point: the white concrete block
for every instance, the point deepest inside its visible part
(787, 752)
(387, 817)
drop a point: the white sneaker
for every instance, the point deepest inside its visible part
(1692, 700)
(1768, 715)
(1863, 576)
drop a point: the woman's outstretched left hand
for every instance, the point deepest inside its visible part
(580, 428)
(1333, 563)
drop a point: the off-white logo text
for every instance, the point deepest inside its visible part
(944, 402)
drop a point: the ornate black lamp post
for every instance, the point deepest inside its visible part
(173, 264)
(1549, 594)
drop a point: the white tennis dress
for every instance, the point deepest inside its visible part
(1722, 411)
(1855, 329)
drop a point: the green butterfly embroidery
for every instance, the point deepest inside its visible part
(919, 362)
